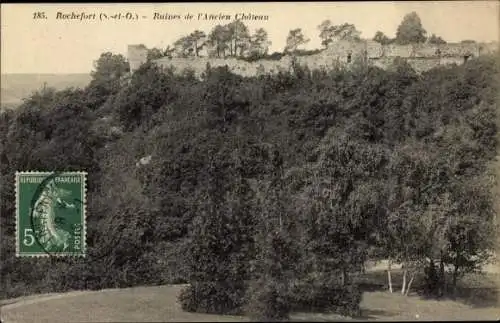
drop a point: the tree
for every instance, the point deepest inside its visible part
(381, 38)
(337, 205)
(197, 38)
(108, 72)
(109, 66)
(239, 37)
(295, 39)
(330, 33)
(218, 39)
(276, 251)
(148, 91)
(184, 46)
(345, 32)
(410, 30)
(223, 230)
(169, 51)
(154, 53)
(427, 218)
(259, 42)
(325, 32)
(214, 271)
(433, 39)
(407, 226)
(470, 233)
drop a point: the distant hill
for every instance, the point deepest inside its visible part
(15, 87)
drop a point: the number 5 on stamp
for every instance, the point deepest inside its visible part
(50, 214)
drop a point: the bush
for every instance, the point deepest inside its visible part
(325, 296)
(213, 297)
(267, 301)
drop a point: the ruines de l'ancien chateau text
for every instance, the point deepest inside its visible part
(207, 16)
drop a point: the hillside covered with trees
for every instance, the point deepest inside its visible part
(265, 194)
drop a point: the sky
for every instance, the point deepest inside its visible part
(59, 46)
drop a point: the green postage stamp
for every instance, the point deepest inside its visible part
(50, 214)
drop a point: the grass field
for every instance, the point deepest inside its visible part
(159, 303)
(15, 87)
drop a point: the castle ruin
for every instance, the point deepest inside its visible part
(137, 55)
(421, 57)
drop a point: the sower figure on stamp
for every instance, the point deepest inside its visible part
(50, 234)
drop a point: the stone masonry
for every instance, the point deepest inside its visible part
(421, 57)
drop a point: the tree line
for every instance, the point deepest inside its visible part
(235, 40)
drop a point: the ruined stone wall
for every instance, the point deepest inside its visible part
(382, 62)
(397, 50)
(488, 48)
(421, 57)
(424, 64)
(426, 51)
(341, 50)
(459, 60)
(457, 50)
(198, 65)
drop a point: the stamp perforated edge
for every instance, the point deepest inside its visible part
(84, 216)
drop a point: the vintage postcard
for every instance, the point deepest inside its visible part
(278, 161)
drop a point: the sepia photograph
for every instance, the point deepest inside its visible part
(250, 161)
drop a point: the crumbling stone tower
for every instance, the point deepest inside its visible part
(137, 55)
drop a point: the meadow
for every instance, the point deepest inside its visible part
(476, 300)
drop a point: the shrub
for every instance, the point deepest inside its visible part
(267, 301)
(213, 297)
(326, 296)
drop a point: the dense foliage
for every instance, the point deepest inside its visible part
(266, 194)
